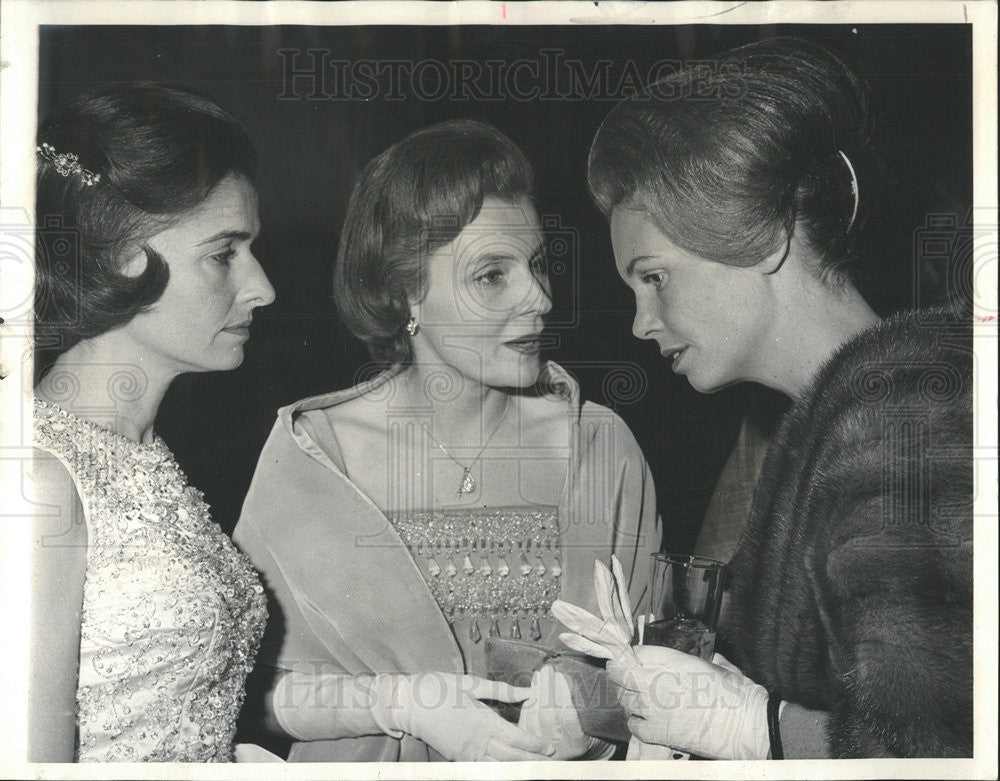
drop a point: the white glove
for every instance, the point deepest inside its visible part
(707, 708)
(549, 713)
(251, 752)
(444, 711)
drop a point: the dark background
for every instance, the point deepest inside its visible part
(312, 149)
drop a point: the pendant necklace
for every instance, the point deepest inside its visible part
(468, 484)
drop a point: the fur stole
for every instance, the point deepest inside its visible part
(852, 587)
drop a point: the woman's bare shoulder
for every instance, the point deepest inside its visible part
(57, 553)
(352, 432)
(363, 414)
(544, 419)
(57, 510)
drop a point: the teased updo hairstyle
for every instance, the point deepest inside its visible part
(412, 199)
(728, 158)
(159, 151)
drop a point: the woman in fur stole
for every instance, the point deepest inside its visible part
(734, 219)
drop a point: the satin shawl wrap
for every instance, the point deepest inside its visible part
(347, 597)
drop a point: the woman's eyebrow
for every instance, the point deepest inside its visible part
(495, 257)
(636, 259)
(229, 234)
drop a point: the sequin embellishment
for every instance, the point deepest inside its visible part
(477, 586)
(172, 613)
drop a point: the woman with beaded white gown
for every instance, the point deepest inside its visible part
(145, 617)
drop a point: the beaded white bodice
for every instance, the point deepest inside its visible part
(172, 613)
(494, 572)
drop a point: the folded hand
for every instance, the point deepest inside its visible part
(549, 713)
(444, 711)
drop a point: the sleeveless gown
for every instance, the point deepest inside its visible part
(172, 613)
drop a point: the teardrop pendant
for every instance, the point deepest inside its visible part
(474, 634)
(433, 568)
(486, 570)
(525, 566)
(540, 567)
(468, 482)
(503, 568)
(450, 570)
(515, 631)
(536, 630)
(556, 569)
(467, 567)
(494, 628)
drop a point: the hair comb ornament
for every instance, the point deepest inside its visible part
(854, 190)
(67, 163)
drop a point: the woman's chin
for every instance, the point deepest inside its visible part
(529, 372)
(712, 384)
(225, 361)
(704, 383)
(524, 375)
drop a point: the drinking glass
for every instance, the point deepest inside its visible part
(685, 598)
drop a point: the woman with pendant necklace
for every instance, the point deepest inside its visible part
(440, 507)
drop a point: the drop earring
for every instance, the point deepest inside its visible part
(412, 326)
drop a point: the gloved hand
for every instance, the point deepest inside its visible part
(549, 713)
(707, 708)
(444, 711)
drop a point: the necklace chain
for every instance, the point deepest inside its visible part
(468, 484)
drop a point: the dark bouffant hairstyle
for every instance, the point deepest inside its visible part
(159, 151)
(728, 158)
(412, 199)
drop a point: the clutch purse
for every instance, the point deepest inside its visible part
(595, 698)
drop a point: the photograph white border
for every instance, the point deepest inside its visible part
(19, 25)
